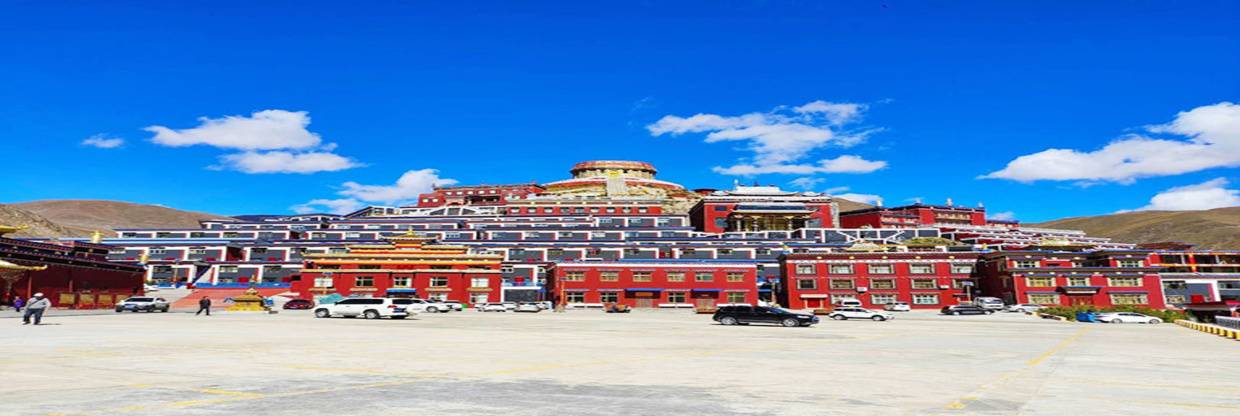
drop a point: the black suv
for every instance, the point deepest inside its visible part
(744, 315)
(966, 310)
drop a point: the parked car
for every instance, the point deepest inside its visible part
(491, 307)
(994, 304)
(422, 305)
(528, 307)
(1024, 307)
(897, 307)
(841, 314)
(298, 304)
(966, 310)
(848, 303)
(369, 308)
(545, 305)
(142, 304)
(512, 306)
(454, 305)
(744, 315)
(1127, 317)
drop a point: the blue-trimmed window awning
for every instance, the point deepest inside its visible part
(402, 291)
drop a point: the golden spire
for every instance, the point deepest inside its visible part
(96, 237)
(4, 229)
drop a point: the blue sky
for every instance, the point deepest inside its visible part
(900, 100)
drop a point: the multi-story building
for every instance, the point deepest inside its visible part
(405, 265)
(917, 215)
(1072, 276)
(655, 283)
(763, 208)
(923, 279)
(1196, 276)
(74, 274)
(477, 195)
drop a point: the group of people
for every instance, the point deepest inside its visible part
(34, 307)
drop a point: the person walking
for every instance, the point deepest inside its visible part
(204, 304)
(18, 303)
(37, 305)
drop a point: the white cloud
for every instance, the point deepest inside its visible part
(405, 191)
(103, 141)
(1206, 195)
(779, 138)
(285, 162)
(1002, 216)
(842, 164)
(262, 130)
(270, 141)
(333, 206)
(1210, 138)
(806, 183)
(863, 198)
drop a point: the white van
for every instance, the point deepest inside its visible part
(988, 303)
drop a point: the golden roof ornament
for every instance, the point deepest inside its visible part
(5, 229)
(96, 237)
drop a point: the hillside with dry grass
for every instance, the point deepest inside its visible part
(82, 217)
(1216, 228)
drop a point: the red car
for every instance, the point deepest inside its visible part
(298, 304)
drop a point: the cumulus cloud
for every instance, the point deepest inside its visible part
(269, 141)
(285, 162)
(404, 192)
(103, 141)
(1206, 195)
(806, 183)
(1209, 137)
(779, 139)
(1002, 216)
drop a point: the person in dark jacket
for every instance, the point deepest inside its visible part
(18, 303)
(37, 305)
(204, 305)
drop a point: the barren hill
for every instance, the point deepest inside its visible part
(1216, 228)
(85, 216)
(846, 205)
(39, 226)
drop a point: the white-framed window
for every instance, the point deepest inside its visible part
(479, 282)
(921, 268)
(805, 269)
(735, 276)
(924, 284)
(574, 276)
(609, 276)
(323, 282)
(402, 281)
(1044, 298)
(676, 297)
(1078, 281)
(962, 268)
(807, 284)
(608, 297)
(925, 299)
(675, 276)
(882, 284)
(838, 298)
(841, 269)
(1124, 281)
(198, 250)
(364, 281)
(1176, 299)
(506, 269)
(438, 296)
(1025, 264)
(439, 281)
(1131, 263)
(1040, 281)
(229, 269)
(155, 251)
(1129, 299)
(478, 298)
(881, 269)
(842, 284)
(703, 277)
(882, 298)
(575, 297)
(641, 276)
(736, 297)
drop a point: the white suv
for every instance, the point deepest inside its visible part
(423, 305)
(841, 314)
(369, 308)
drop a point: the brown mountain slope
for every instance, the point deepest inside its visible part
(1216, 228)
(846, 205)
(38, 226)
(89, 215)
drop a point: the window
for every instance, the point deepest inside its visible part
(962, 268)
(322, 282)
(924, 284)
(840, 298)
(736, 276)
(576, 276)
(805, 269)
(676, 297)
(925, 299)
(921, 268)
(368, 267)
(364, 281)
(882, 299)
(842, 284)
(1025, 264)
(1124, 282)
(402, 281)
(841, 269)
(198, 251)
(881, 269)
(675, 276)
(1176, 299)
(506, 269)
(155, 251)
(1039, 281)
(736, 297)
(703, 277)
(1129, 299)
(575, 297)
(1131, 263)
(961, 283)
(1078, 281)
(882, 284)
(228, 269)
(641, 276)
(479, 282)
(1044, 299)
(807, 284)
(609, 297)
(609, 276)
(439, 281)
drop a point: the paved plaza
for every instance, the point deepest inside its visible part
(591, 363)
